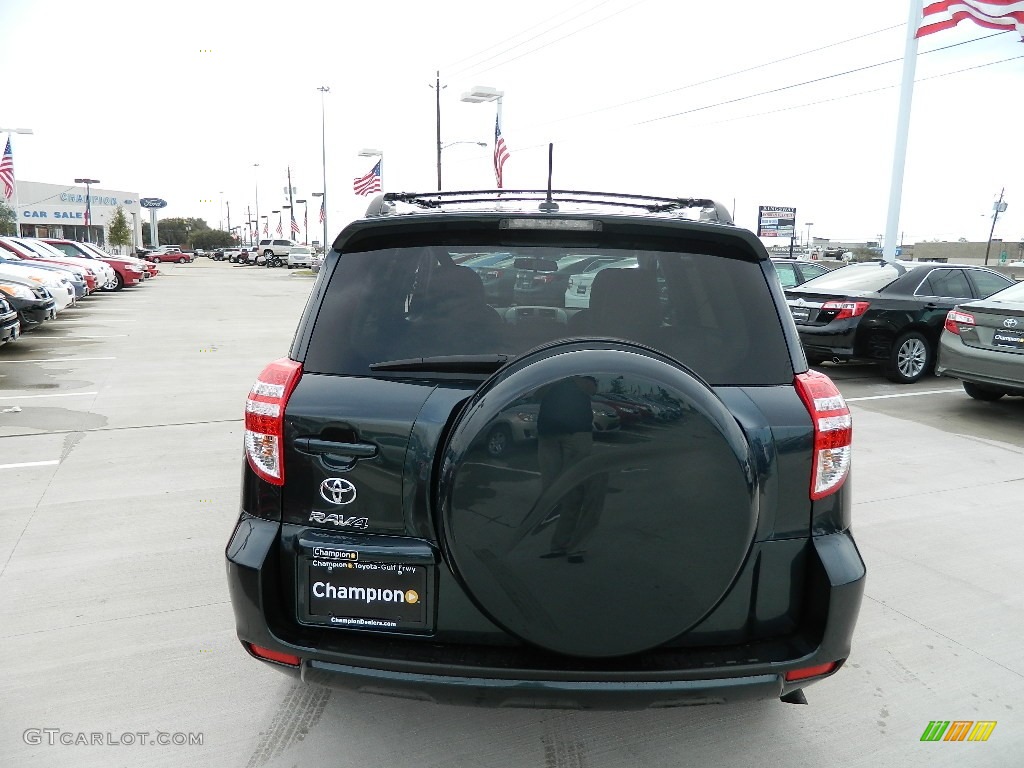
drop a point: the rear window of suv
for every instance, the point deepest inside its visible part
(713, 313)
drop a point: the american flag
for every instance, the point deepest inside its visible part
(1004, 15)
(323, 209)
(305, 220)
(279, 230)
(295, 226)
(266, 228)
(7, 171)
(367, 184)
(501, 153)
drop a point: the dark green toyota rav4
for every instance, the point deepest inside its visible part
(670, 526)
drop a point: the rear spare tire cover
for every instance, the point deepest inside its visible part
(603, 541)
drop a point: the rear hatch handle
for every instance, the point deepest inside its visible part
(333, 452)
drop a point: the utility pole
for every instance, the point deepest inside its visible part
(228, 204)
(248, 222)
(437, 99)
(999, 207)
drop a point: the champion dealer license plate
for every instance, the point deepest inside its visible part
(344, 587)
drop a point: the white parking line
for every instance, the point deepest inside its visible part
(84, 336)
(59, 360)
(55, 394)
(904, 394)
(31, 464)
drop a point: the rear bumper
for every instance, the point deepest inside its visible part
(459, 674)
(838, 339)
(991, 367)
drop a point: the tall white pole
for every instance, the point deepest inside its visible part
(899, 158)
(323, 159)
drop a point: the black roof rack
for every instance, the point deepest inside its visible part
(436, 200)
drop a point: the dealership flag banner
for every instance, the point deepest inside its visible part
(1004, 15)
(295, 226)
(501, 153)
(279, 230)
(368, 184)
(7, 171)
(323, 209)
(936, 16)
(266, 228)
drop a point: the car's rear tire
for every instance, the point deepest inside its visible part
(156, 259)
(982, 393)
(911, 358)
(182, 260)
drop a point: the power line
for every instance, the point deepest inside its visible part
(722, 77)
(563, 37)
(523, 42)
(807, 104)
(859, 93)
(821, 79)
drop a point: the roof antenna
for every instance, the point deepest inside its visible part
(549, 206)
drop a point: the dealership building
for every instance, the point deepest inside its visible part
(58, 210)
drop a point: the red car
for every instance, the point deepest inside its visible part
(128, 271)
(27, 255)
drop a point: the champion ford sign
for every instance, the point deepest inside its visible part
(152, 202)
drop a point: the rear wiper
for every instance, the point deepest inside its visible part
(445, 364)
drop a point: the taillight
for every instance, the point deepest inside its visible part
(846, 308)
(956, 318)
(264, 418)
(806, 672)
(492, 274)
(833, 432)
(281, 658)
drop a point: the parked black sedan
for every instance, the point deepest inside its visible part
(33, 303)
(887, 312)
(10, 328)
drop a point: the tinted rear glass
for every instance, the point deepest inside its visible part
(870, 277)
(712, 313)
(1015, 293)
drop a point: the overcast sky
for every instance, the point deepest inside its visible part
(179, 100)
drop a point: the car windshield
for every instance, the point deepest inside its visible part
(403, 304)
(860, 277)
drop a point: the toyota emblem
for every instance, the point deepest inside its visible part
(337, 490)
(1010, 322)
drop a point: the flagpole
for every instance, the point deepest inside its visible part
(899, 159)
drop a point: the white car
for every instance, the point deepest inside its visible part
(60, 288)
(103, 272)
(141, 264)
(577, 293)
(300, 256)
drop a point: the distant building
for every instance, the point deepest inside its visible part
(58, 210)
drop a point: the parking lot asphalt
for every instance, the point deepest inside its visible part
(120, 456)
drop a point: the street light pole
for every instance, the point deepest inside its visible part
(88, 206)
(323, 157)
(257, 180)
(9, 131)
(481, 93)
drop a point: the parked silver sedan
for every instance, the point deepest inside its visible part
(982, 344)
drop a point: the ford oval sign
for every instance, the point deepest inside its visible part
(152, 202)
